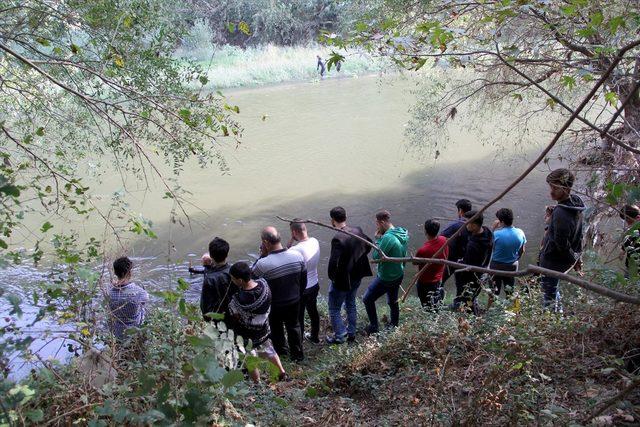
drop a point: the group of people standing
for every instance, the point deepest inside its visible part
(266, 303)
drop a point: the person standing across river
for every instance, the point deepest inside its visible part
(320, 66)
(309, 248)
(348, 265)
(393, 242)
(286, 274)
(508, 247)
(562, 244)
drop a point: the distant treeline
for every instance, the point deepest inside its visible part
(289, 22)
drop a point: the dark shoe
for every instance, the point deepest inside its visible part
(283, 377)
(351, 338)
(370, 330)
(334, 340)
(314, 340)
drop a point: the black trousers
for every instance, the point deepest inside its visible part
(468, 283)
(309, 303)
(430, 294)
(286, 317)
(502, 281)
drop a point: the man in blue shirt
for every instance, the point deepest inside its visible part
(508, 246)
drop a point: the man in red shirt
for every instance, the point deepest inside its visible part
(430, 290)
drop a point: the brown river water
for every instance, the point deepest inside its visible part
(306, 148)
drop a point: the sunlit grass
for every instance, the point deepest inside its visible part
(230, 66)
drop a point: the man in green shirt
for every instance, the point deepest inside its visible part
(393, 242)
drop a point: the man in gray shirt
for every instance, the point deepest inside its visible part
(127, 300)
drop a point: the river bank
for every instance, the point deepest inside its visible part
(235, 67)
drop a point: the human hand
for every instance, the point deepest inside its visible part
(578, 267)
(263, 250)
(495, 225)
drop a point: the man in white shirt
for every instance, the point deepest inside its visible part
(309, 248)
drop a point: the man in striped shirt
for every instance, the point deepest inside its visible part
(286, 274)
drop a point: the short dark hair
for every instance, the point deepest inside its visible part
(561, 177)
(629, 211)
(338, 214)
(241, 270)
(218, 249)
(505, 215)
(478, 221)
(122, 266)
(383, 215)
(431, 227)
(297, 225)
(464, 205)
(272, 238)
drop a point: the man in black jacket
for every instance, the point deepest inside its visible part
(562, 243)
(348, 264)
(477, 252)
(217, 288)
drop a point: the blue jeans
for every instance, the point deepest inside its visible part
(376, 289)
(338, 297)
(551, 294)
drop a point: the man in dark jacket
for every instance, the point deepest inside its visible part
(562, 243)
(459, 243)
(217, 288)
(348, 264)
(477, 252)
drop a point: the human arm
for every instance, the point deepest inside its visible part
(334, 259)
(303, 278)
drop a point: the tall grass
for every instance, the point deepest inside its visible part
(229, 66)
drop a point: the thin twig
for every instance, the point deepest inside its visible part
(363, 240)
(529, 271)
(608, 403)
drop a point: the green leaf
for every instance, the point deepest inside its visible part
(615, 23)
(311, 392)
(231, 27)
(182, 307)
(568, 81)
(596, 18)
(46, 227)
(74, 49)
(203, 80)
(280, 401)
(232, 378)
(43, 41)
(40, 131)
(10, 190)
(3, 244)
(183, 285)
(35, 415)
(215, 316)
(611, 98)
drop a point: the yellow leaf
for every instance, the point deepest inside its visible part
(85, 332)
(117, 59)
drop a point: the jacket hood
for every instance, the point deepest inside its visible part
(573, 203)
(401, 234)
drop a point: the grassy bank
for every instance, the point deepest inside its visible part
(229, 67)
(513, 365)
